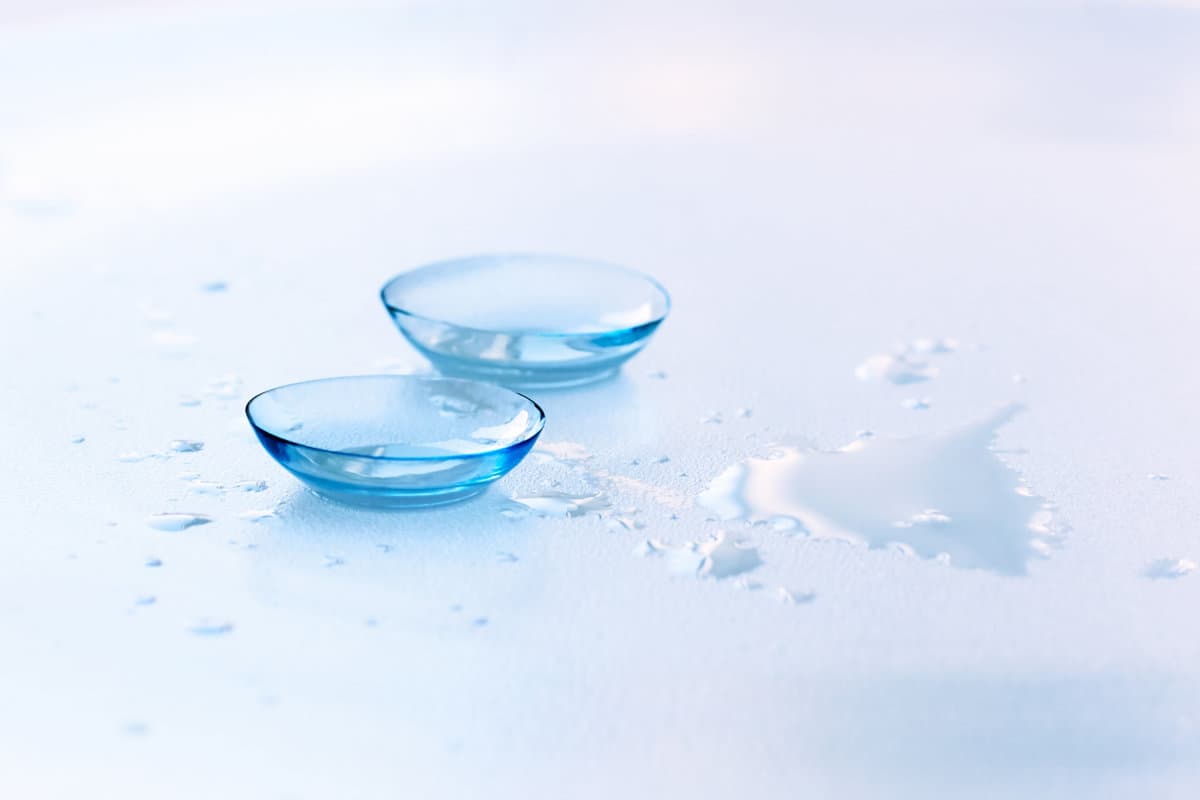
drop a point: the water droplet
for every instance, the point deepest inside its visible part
(186, 445)
(371, 622)
(214, 286)
(860, 491)
(135, 729)
(187, 401)
(258, 515)
(662, 460)
(716, 557)
(747, 585)
(225, 387)
(154, 562)
(566, 452)
(794, 598)
(334, 561)
(899, 369)
(385, 548)
(658, 375)
(177, 521)
(133, 457)
(562, 504)
(456, 608)
(744, 413)
(864, 434)
(212, 627)
(250, 486)
(78, 439)
(933, 345)
(917, 403)
(146, 600)
(188, 476)
(479, 622)
(624, 522)
(712, 418)
(505, 557)
(1169, 568)
(1158, 476)
(206, 487)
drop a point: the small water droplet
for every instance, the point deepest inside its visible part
(926, 346)
(504, 557)
(385, 548)
(1158, 476)
(258, 515)
(333, 561)
(250, 486)
(794, 598)
(214, 286)
(1170, 568)
(206, 487)
(744, 413)
(562, 504)
(479, 622)
(662, 459)
(78, 439)
(187, 401)
(177, 521)
(225, 387)
(135, 729)
(712, 418)
(456, 608)
(917, 403)
(133, 457)
(154, 562)
(864, 434)
(186, 445)
(371, 622)
(658, 375)
(146, 600)
(212, 627)
(898, 368)
(747, 585)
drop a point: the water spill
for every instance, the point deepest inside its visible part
(917, 403)
(1168, 568)
(563, 504)
(176, 521)
(212, 627)
(940, 493)
(250, 486)
(185, 446)
(716, 557)
(154, 562)
(258, 515)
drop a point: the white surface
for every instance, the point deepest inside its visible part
(812, 186)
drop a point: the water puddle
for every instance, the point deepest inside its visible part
(717, 557)
(942, 495)
(563, 504)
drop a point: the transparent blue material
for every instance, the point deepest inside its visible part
(525, 320)
(395, 440)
